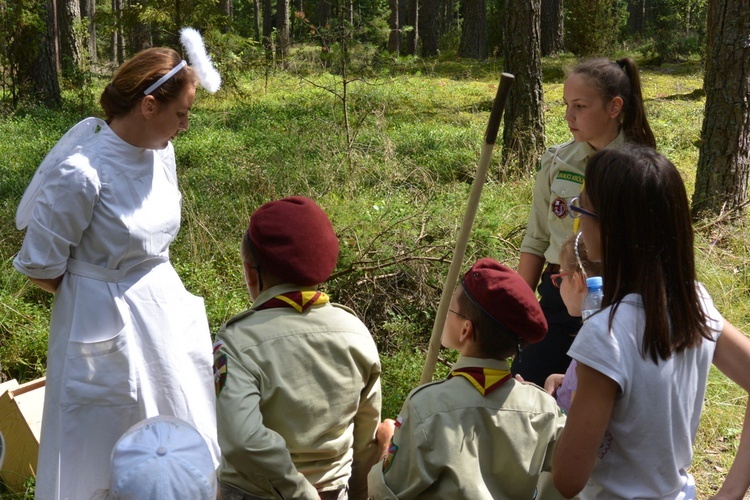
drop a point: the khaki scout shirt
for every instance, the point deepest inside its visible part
(560, 178)
(454, 443)
(298, 400)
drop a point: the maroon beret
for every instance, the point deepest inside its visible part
(503, 295)
(293, 239)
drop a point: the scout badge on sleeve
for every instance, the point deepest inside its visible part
(220, 368)
(392, 449)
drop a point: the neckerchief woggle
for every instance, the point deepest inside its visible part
(485, 380)
(298, 300)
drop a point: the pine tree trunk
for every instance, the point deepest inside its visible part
(635, 17)
(430, 32)
(42, 71)
(412, 19)
(394, 23)
(226, 8)
(118, 46)
(268, 29)
(324, 12)
(140, 33)
(69, 14)
(256, 19)
(88, 11)
(523, 125)
(724, 161)
(552, 27)
(474, 30)
(282, 29)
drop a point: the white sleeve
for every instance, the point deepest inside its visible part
(60, 215)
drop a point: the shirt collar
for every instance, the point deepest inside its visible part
(467, 361)
(584, 149)
(272, 292)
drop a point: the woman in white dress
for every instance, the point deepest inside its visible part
(127, 341)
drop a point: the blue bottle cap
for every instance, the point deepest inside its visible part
(594, 282)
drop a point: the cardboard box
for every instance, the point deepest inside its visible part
(20, 427)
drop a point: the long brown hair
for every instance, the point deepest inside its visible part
(647, 245)
(138, 73)
(622, 79)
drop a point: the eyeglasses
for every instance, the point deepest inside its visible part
(557, 278)
(458, 314)
(467, 319)
(575, 210)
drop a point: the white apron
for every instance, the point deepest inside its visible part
(127, 341)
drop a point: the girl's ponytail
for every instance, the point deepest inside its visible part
(635, 123)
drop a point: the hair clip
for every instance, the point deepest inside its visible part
(578, 256)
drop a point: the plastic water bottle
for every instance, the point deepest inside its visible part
(593, 300)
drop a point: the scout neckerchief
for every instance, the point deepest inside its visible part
(298, 300)
(485, 380)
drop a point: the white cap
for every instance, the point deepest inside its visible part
(162, 458)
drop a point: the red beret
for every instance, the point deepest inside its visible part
(293, 239)
(503, 295)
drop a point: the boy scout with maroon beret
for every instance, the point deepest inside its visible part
(479, 434)
(297, 377)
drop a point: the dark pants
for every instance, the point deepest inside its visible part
(229, 492)
(540, 360)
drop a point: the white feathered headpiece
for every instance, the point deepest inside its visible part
(199, 59)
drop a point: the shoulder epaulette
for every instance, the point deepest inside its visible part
(424, 386)
(345, 308)
(238, 317)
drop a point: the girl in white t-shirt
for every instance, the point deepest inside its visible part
(643, 361)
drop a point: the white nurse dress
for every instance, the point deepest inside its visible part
(127, 341)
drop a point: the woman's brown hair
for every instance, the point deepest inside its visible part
(138, 73)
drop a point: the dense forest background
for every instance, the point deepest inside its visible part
(44, 42)
(47, 46)
(375, 108)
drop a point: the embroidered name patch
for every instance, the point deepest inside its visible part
(570, 176)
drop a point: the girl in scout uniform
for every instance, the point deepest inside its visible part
(604, 109)
(479, 434)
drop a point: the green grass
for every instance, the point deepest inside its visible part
(396, 196)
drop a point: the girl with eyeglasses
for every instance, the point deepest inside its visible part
(575, 267)
(643, 360)
(604, 109)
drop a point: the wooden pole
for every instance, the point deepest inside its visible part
(490, 136)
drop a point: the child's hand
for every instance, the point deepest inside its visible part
(384, 434)
(553, 382)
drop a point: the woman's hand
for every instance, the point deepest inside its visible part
(49, 285)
